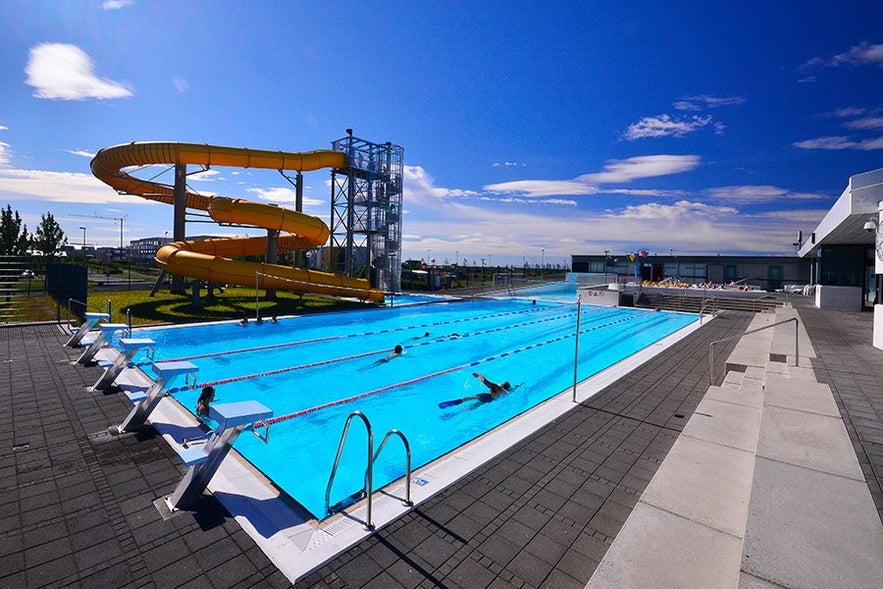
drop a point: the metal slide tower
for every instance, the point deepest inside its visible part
(366, 213)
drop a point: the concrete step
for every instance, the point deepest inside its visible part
(688, 526)
(764, 474)
(811, 520)
(752, 349)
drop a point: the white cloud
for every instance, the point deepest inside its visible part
(4, 154)
(456, 228)
(540, 188)
(421, 190)
(847, 112)
(865, 123)
(4, 128)
(181, 85)
(703, 101)
(204, 176)
(287, 197)
(838, 143)
(862, 54)
(643, 193)
(116, 4)
(678, 211)
(646, 166)
(616, 172)
(81, 152)
(665, 126)
(68, 187)
(505, 164)
(531, 201)
(751, 194)
(61, 71)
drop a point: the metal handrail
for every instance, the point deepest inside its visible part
(796, 344)
(401, 436)
(86, 307)
(368, 471)
(707, 302)
(756, 300)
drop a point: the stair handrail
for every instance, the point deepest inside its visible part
(712, 344)
(402, 437)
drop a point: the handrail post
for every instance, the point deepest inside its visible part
(576, 345)
(711, 364)
(402, 437)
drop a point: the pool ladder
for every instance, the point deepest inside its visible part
(369, 471)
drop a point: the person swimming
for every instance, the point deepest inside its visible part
(396, 352)
(496, 391)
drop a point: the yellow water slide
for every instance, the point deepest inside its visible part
(211, 259)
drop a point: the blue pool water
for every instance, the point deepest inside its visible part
(556, 291)
(302, 367)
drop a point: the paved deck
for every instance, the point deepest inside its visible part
(77, 505)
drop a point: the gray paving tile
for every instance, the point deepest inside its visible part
(539, 497)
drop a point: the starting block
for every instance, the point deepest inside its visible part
(203, 461)
(91, 320)
(166, 374)
(130, 347)
(106, 333)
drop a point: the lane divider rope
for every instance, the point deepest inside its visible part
(405, 383)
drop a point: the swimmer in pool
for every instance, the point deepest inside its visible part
(396, 352)
(496, 391)
(203, 404)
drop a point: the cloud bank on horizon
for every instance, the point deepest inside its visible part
(698, 175)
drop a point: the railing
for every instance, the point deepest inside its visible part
(369, 471)
(706, 303)
(756, 300)
(712, 344)
(86, 307)
(404, 440)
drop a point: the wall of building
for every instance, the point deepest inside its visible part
(766, 272)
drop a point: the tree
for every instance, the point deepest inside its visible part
(49, 238)
(13, 235)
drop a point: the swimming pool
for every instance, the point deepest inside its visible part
(313, 371)
(554, 291)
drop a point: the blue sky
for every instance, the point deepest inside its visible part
(532, 130)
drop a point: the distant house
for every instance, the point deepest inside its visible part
(143, 249)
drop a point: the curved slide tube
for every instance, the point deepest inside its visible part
(211, 259)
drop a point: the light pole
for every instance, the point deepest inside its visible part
(606, 258)
(84, 244)
(542, 262)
